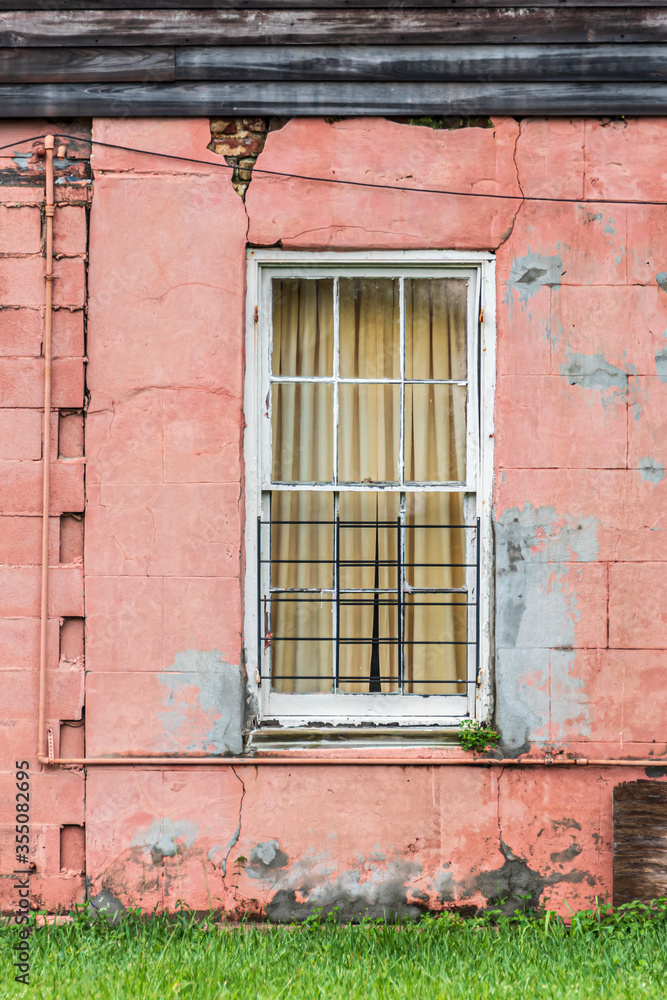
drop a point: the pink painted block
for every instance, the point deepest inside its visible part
(69, 288)
(123, 623)
(166, 305)
(67, 333)
(52, 793)
(21, 541)
(20, 591)
(558, 820)
(588, 242)
(621, 326)
(22, 382)
(550, 157)
(19, 643)
(622, 158)
(22, 281)
(647, 430)
(543, 421)
(20, 230)
(524, 330)
(619, 501)
(647, 243)
(638, 605)
(70, 230)
(64, 693)
(636, 676)
(142, 712)
(124, 439)
(20, 332)
(20, 434)
(187, 137)
(198, 530)
(117, 540)
(586, 697)
(307, 214)
(202, 437)
(202, 613)
(70, 435)
(21, 487)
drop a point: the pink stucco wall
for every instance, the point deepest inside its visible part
(580, 450)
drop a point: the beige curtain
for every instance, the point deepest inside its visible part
(368, 445)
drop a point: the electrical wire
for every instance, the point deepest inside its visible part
(370, 184)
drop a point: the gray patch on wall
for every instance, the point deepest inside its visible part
(651, 470)
(530, 272)
(536, 612)
(220, 698)
(592, 371)
(661, 366)
(265, 857)
(661, 278)
(514, 886)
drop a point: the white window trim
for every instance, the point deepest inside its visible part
(290, 710)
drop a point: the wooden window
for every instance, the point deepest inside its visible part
(367, 535)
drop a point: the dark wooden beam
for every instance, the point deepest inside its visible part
(119, 28)
(462, 63)
(294, 99)
(640, 841)
(56, 5)
(66, 65)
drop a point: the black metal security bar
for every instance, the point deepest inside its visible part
(403, 596)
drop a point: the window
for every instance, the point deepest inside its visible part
(367, 485)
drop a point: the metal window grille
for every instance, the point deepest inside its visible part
(372, 680)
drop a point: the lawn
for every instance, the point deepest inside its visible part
(599, 956)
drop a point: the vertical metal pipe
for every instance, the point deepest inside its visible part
(399, 602)
(49, 209)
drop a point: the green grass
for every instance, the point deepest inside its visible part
(601, 955)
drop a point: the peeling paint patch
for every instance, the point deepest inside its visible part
(515, 886)
(570, 704)
(203, 706)
(661, 366)
(266, 857)
(661, 278)
(531, 272)
(651, 470)
(592, 371)
(163, 836)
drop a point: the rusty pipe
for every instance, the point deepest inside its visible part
(332, 761)
(49, 210)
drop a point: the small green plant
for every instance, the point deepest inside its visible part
(476, 736)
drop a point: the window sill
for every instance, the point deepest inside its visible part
(320, 736)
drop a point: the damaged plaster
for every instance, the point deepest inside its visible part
(651, 470)
(203, 705)
(530, 272)
(162, 838)
(593, 371)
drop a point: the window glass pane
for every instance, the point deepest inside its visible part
(435, 643)
(369, 328)
(368, 433)
(435, 554)
(302, 560)
(303, 327)
(368, 650)
(435, 328)
(435, 433)
(368, 540)
(307, 535)
(302, 432)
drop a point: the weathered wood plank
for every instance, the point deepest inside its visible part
(462, 63)
(65, 65)
(335, 27)
(57, 100)
(640, 841)
(309, 4)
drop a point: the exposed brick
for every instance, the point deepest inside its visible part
(22, 382)
(20, 434)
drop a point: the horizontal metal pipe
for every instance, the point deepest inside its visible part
(357, 761)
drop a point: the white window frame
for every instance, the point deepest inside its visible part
(298, 710)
